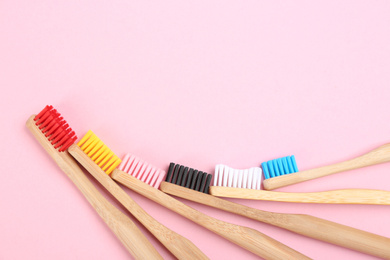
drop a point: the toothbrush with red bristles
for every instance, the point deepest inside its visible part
(55, 136)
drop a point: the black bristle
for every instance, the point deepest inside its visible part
(193, 181)
(180, 175)
(203, 182)
(199, 181)
(184, 178)
(170, 171)
(208, 180)
(189, 179)
(175, 174)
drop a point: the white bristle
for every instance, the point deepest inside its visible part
(250, 177)
(245, 179)
(225, 176)
(220, 177)
(151, 174)
(240, 176)
(254, 180)
(216, 173)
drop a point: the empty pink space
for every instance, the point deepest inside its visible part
(195, 83)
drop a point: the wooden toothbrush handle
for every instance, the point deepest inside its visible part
(127, 232)
(247, 238)
(306, 225)
(349, 196)
(379, 155)
(179, 246)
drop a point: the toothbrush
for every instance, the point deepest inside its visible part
(246, 184)
(245, 237)
(100, 161)
(306, 225)
(379, 155)
(55, 136)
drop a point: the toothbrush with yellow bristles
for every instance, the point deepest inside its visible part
(100, 161)
(55, 136)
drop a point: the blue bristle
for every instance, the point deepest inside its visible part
(271, 169)
(285, 165)
(265, 170)
(280, 166)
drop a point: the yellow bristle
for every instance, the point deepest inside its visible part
(88, 142)
(98, 153)
(106, 158)
(96, 148)
(92, 144)
(114, 165)
(109, 163)
(86, 136)
(101, 157)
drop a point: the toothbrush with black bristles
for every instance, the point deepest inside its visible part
(140, 177)
(306, 225)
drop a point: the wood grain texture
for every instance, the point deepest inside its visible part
(349, 196)
(125, 229)
(178, 245)
(306, 225)
(247, 238)
(379, 155)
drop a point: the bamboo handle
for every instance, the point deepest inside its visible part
(379, 155)
(178, 245)
(247, 238)
(349, 196)
(306, 225)
(127, 232)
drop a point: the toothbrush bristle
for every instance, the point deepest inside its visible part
(142, 170)
(55, 128)
(99, 152)
(280, 166)
(228, 177)
(188, 177)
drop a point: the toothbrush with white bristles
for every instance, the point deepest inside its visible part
(246, 184)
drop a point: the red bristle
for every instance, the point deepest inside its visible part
(57, 132)
(52, 129)
(47, 108)
(58, 138)
(55, 128)
(48, 120)
(49, 126)
(66, 137)
(68, 143)
(43, 118)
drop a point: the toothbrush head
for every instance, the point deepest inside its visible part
(188, 177)
(280, 166)
(99, 152)
(55, 128)
(142, 170)
(228, 177)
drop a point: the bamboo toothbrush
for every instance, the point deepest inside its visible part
(245, 237)
(379, 155)
(246, 184)
(55, 136)
(100, 161)
(306, 225)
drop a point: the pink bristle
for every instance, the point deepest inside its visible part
(146, 173)
(160, 179)
(124, 162)
(150, 175)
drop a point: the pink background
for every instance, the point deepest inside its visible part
(200, 83)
